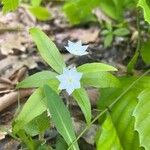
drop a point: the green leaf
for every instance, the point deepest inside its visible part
(80, 10)
(9, 5)
(108, 40)
(142, 118)
(60, 116)
(48, 50)
(38, 125)
(145, 5)
(32, 108)
(27, 140)
(40, 13)
(121, 32)
(100, 80)
(122, 112)
(39, 79)
(132, 62)
(36, 2)
(108, 139)
(61, 144)
(95, 67)
(113, 8)
(145, 52)
(83, 101)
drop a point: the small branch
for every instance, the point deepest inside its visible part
(133, 61)
(9, 99)
(10, 29)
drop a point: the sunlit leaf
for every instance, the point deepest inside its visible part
(36, 2)
(83, 101)
(142, 118)
(48, 50)
(95, 67)
(32, 108)
(145, 5)
(108, 138)
(122, 112)
(100, 80)
(9, 5)
(60, 116)
(39, 79)
(40, 13)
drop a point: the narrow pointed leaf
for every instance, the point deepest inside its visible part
(39, 79)
(48, 50)
(83, 101)
(95, 67)
(60, 116)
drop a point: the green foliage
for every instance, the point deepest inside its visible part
(109, 33)
(145, 5)
(145, 52)
(122, 112)
(9, 5)
(100, 80)
(108, 138)
(80, 11)
(121, 32)
(132, 63)
(36, 3)
(108, 40)
(83, 101)
(114, 9)
(39, 79)
(142, 118)
(96, 75)
(32, 108)
(95, 67)
(36, 126)
(48, 50)
(60, 116)
(61, 144)
(40, 13)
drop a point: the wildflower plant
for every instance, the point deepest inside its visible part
(49, 84)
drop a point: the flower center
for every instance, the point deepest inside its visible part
(70, 80)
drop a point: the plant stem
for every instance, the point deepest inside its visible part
(133, 61)
(105, 110)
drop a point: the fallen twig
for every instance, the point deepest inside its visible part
(9, 99)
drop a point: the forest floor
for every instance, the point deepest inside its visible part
(19, 58)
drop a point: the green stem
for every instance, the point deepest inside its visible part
(133, 61)
(105, 110)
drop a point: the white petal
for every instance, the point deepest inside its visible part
(70, 90)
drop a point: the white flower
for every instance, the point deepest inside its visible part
(76, 48)
(69, 80)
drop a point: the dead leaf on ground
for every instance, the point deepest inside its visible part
(101, 16)
(11, 64)
(85, 35)
(89, 135)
